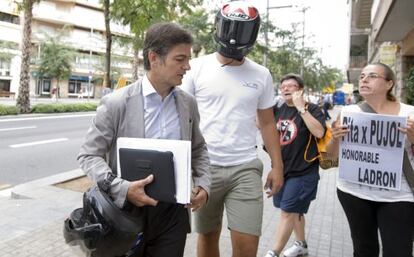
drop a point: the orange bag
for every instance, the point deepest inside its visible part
(326, 161)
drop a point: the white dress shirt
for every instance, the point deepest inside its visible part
(160, 116)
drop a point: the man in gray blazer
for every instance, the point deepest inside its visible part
(152, 108)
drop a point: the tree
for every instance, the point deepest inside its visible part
(287, 58)
(108, 35)
(201, 29)
(409, 87)
(140, 14)
(56, 60)
(100, 66)
(23, 100)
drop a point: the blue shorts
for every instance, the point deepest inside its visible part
(297, 193)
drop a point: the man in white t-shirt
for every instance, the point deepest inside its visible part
(231, 92)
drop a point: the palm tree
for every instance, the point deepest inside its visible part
(23, 100)
(56, 59)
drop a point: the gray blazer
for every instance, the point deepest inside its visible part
(121, 114)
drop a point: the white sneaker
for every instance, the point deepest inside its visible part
(270, 253)
(297, 249)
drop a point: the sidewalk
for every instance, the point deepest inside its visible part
(31, 220)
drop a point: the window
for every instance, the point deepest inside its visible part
(4, 85)
(4, 64)
(9, 18)
(74, 86)
(44, 86)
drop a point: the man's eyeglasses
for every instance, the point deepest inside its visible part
(371, 76)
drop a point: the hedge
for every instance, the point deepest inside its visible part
(8, 110)
(61, 107)
(51, 108)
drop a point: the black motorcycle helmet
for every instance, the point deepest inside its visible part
(236, 27)
(101, 229)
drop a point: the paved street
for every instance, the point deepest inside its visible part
(31, 226)
(37, 147)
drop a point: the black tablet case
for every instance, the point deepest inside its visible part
(137, 164)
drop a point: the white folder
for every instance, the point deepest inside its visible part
(182, 160)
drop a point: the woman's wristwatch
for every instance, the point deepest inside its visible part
(303, 110)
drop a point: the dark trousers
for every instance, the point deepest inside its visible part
(395, 222)
(165, 232)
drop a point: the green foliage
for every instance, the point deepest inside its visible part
(5, 47)
(288, 57)
(56, 58)
(140, 14)
(201, 28)
(409, 87)
(24, 5)
(359, 50)
(60, 107)
(8, 110)
(99, 67)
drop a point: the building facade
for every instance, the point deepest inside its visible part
(83, 21)
(382, 31)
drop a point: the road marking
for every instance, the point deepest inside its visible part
(39, 142)
(4, 186)
(10, 129)
(49, 117)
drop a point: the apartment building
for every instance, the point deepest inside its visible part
(84, 20)
(10, 38)
(382, 31)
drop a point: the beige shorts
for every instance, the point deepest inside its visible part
(238, 188)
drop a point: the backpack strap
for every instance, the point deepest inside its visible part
(305, 155)
(366, 107)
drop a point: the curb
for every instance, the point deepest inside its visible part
(41, 115)
(23, 190)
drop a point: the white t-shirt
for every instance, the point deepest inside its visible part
(228, 98)
(378, 194)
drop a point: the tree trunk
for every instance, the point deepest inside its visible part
(23, 100)
(108, 45)
(57, 90)
(135, 66)
(196, 49)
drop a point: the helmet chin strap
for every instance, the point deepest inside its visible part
(235, 56)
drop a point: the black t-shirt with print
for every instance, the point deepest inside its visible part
(294, 137)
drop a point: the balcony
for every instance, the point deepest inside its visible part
(393, 21)
(361, 13)
(359, 61)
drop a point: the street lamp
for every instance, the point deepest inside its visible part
(90, 65)
(266, 29)
(302, 62)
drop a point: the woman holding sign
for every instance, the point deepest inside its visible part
(297, 122)
(370, 209)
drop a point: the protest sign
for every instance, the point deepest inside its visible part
(372, 152)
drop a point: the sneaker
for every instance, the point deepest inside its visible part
(297, 249)
(270, 253)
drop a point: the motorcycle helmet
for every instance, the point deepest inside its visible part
(236, 28)
(101, 229)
